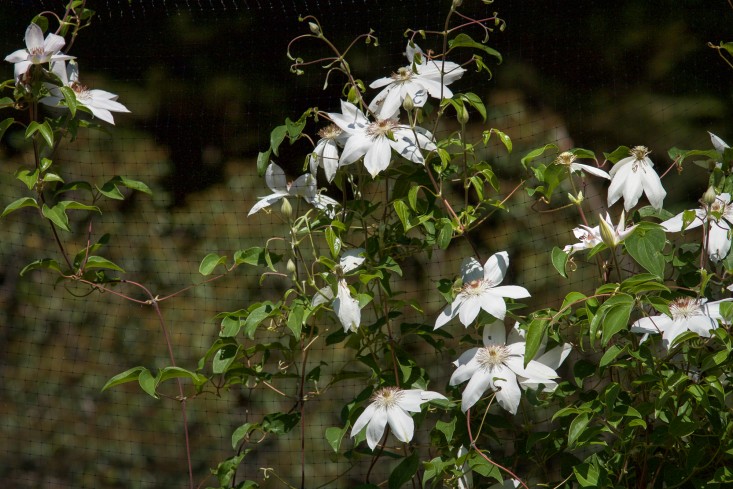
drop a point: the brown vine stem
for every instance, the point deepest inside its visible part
(182, 398)
(484, 456)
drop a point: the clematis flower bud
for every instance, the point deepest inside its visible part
(708, 198)
(462, 114)
(286, 208)
(314, 28)
(608, 234)
(408, 104)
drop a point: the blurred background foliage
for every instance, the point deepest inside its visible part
(206, 81)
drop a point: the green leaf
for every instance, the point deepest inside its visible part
(617, 154)
(577, 427)
(19, 204)
(505, 139)
(28, 177)
(276, 138)
(616, 319)
(4, 125)
(404, 471)
(295, 319)
(147, 382)
(559, 261)
(99, 262)
(403, 212)
(465, 41)
(645, 245)
(45, 263)
(334, 437)
(280, 423)
(78, 206)
(534, 154)
(57, 215)
(611, 354)
(535, 333)
(242, 432)
(44, 129)
(255, 317)
(445, 234)
(132, 184)
(587, 475)
(168, 373)
(255, 256)
(70, 99)
(224, 358)
(126, 376)
(210, 262)
(263, 159)
(475, 102)
(333, 241)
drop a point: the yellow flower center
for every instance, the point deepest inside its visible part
(331, 131)
(565, 158)
(402, 75)
(475, 287)
(684, 307)
(387, 397)
(381, 128)
(639, 152)
(490, 357)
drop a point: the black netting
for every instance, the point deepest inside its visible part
(206, 80)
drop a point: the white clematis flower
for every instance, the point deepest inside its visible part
(588, 238)
(376, 140)
(687, 314)
(38, 51)
(481, 290)
(718, 217)
(632, 176)
(550, 358)
(392, 405)
(345, 305)
(421, 78)
(326, 153)
(567, 159)
(304, 186)
(499, 366)
(99, 102)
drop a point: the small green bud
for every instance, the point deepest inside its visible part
(608, 235)
(408, 104)
(457, 3)
(578, 199)
(286, 209)
(290, 267)
(709, 197)
(462, 115)
(315, 29)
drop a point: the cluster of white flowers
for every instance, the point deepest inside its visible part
(47, 52)
(375, 134)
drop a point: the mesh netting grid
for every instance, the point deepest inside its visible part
(198, 154)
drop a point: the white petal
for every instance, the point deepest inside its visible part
(475, 389)
(509, 393)
(363, 419)
(494, 334)
(651, 324)
(275, 178)
(266, 201)
(411, 400)
(511, 291)
(590, 169)
(718, 240)
(375, 428)
(347, 308)
(378, 156)
(620, 164)
(448, 313)
(653, 188)
(718, 143)
(33, 37)
(464, 372)
(470, 308)
(495, 267)
(674, 224)
(323, 296)
(555, 357)
(351, 259)
(53, 43)
(471, 270)
(401, 423)
(633, 184)
(701, 325)
(493, 304)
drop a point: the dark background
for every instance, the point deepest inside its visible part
(206, 80)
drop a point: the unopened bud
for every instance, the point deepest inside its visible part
(315, 29)
(462, 115)
(457, 3)
(577, 199)
(708, 198)
(290, 267)
(408, 104)
(608, 235)
(286, 209)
